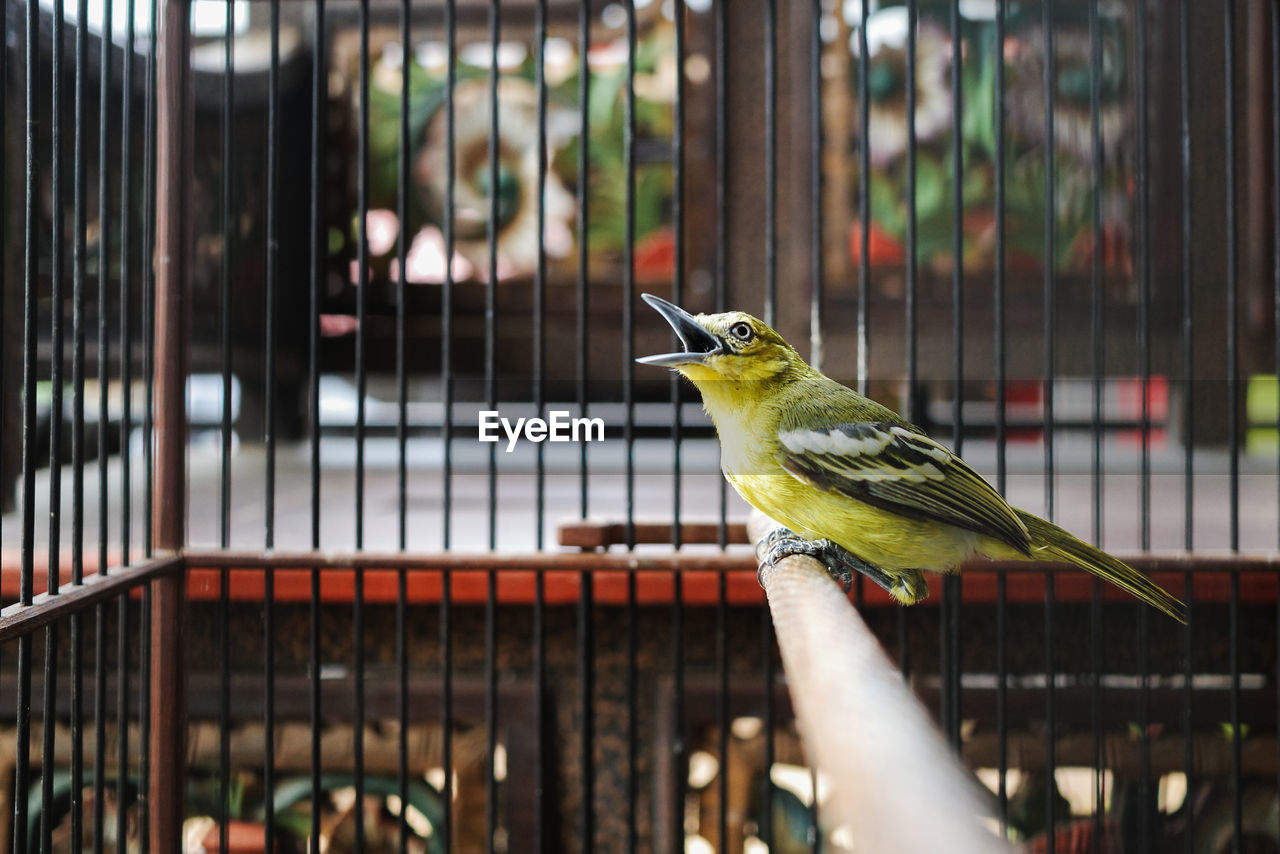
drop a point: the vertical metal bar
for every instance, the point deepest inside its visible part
(319, 253)
(1050, 302)
(770, 317)
(144, 718)
(1233, 284)
(446, 650)
(122, 714)
(721, 270)
(911, 310)
(1237, 742)
(272, 273)
(770, 162)
(362, 286)
(491, 285)
(1144, 288)
(268, 708)
(99, 722)
(224, 286)
(584, 184)
(1188, 309)
(633, 695)
(362, 315)
(126, 283)
(679, 749)
(357, 719)
(677, 281)
(30, 311)
(446, 369)
(586, 683)
(1097, 341)
(314, 713)
(817, 229)
(1049, 261)
(909, 297)
(149, 306)
(1095, 710)
(629, 274)
(57, 301)
(949, 613)
(540, 282)
(49, 716)
(402, 216)
(80, 202)
(864, 209)
(402, 419)
(722, 717)
(1145, 793)
(491, 397)
(770, 718)
(269, 429)
(224, 706)
(540, 701)
(446, 294)
(1275, 187)
(104, 267)
(1233, 426)
(4, 193)
(1002, 689)
(491, 706)
(957, 230)
(224, 491)
(402, 681)
(167, 735)
(49, 712)
(1188, 721)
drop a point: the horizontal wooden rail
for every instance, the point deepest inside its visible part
(1024, 582)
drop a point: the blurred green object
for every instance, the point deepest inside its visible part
(1024, 129)
(606, 113)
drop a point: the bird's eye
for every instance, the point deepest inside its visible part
(742, 331)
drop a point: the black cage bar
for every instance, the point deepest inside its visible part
(273, 270)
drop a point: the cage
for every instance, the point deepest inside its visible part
(270, 268)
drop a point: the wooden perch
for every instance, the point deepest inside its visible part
(886, 774)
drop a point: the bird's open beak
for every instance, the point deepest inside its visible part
(698, 343)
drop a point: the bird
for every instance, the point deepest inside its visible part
(852, 482)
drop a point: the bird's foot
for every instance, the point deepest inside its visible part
(840, 563)
(909, 587)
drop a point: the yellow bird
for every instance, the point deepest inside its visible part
(855, 484)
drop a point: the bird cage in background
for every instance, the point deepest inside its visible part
(266, 264)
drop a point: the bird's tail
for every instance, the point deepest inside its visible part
(1049, 542)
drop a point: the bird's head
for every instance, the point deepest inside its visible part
(730, 346)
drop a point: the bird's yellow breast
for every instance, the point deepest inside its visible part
(884, 538)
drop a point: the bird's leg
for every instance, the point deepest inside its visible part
(839, 561)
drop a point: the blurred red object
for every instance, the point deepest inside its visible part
(243, 837)
(881, 248)
(656, 255)
(1075, 838)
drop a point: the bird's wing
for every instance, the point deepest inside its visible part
(896, 469)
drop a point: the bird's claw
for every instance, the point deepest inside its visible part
(782, 543)
(905, 586)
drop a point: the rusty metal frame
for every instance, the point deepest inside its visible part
(168, 594)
